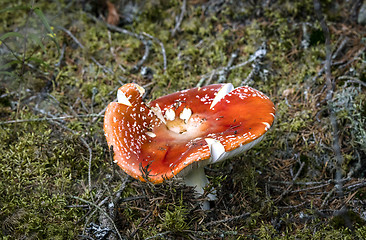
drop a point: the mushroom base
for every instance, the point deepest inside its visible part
(197, 179)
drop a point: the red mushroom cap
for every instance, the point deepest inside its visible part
(172, 134)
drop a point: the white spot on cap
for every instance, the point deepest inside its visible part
(140, 89)
(158, 113)
(185, 114)
(267, 125)
(150, 134)
(222, 93)
(216, 149)
(170, 114)
(121, 98)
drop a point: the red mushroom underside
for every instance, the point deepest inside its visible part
(141, 140)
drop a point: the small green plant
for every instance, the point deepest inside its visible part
(176, 220)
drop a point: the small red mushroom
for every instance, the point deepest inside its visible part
(180, 133)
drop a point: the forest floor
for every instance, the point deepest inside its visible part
(62, 61)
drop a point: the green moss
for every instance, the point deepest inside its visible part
(267, 231)
(347, 219)
(175, 220)
(37, 174)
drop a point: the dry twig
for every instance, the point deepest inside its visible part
(163, 52)
(330, 91)
(51, 119)
(102, 211)
(288, 190)
(242, 216)
(105, 69)
(180, 18)
(139, 37)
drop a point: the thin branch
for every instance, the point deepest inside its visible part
(58, 64)
(163, 52)
(158, 235)
(144, 57)
(258, 57)
(335, 54)
(359, 52)
(132, 34)
(140, 224)
(242, 216)
(255, 57)
(115, 28)
(224, 73)
(340, 48)
(310, 188)
(325, 201)
(329, 96)
(100, 209)
(105, 69)
(288, 190)
(356, 186)
(50, 118)
(351, 80)
(180, 18)
(332, 114)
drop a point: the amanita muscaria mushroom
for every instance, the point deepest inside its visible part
(180, 133)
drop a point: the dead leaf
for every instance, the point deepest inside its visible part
(113, 16)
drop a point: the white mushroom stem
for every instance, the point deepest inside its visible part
(197, 179)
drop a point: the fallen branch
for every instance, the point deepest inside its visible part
(257, 59)
(140, 224)
(105, 69)
(158, 235)
(242, 216)
(307, 183)
(223, 74)
(140, 37)
(163, 52)
(180, 18)
(329, 95)
(102, 211)
(288, 190)
(144, 57)
(51, 118)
